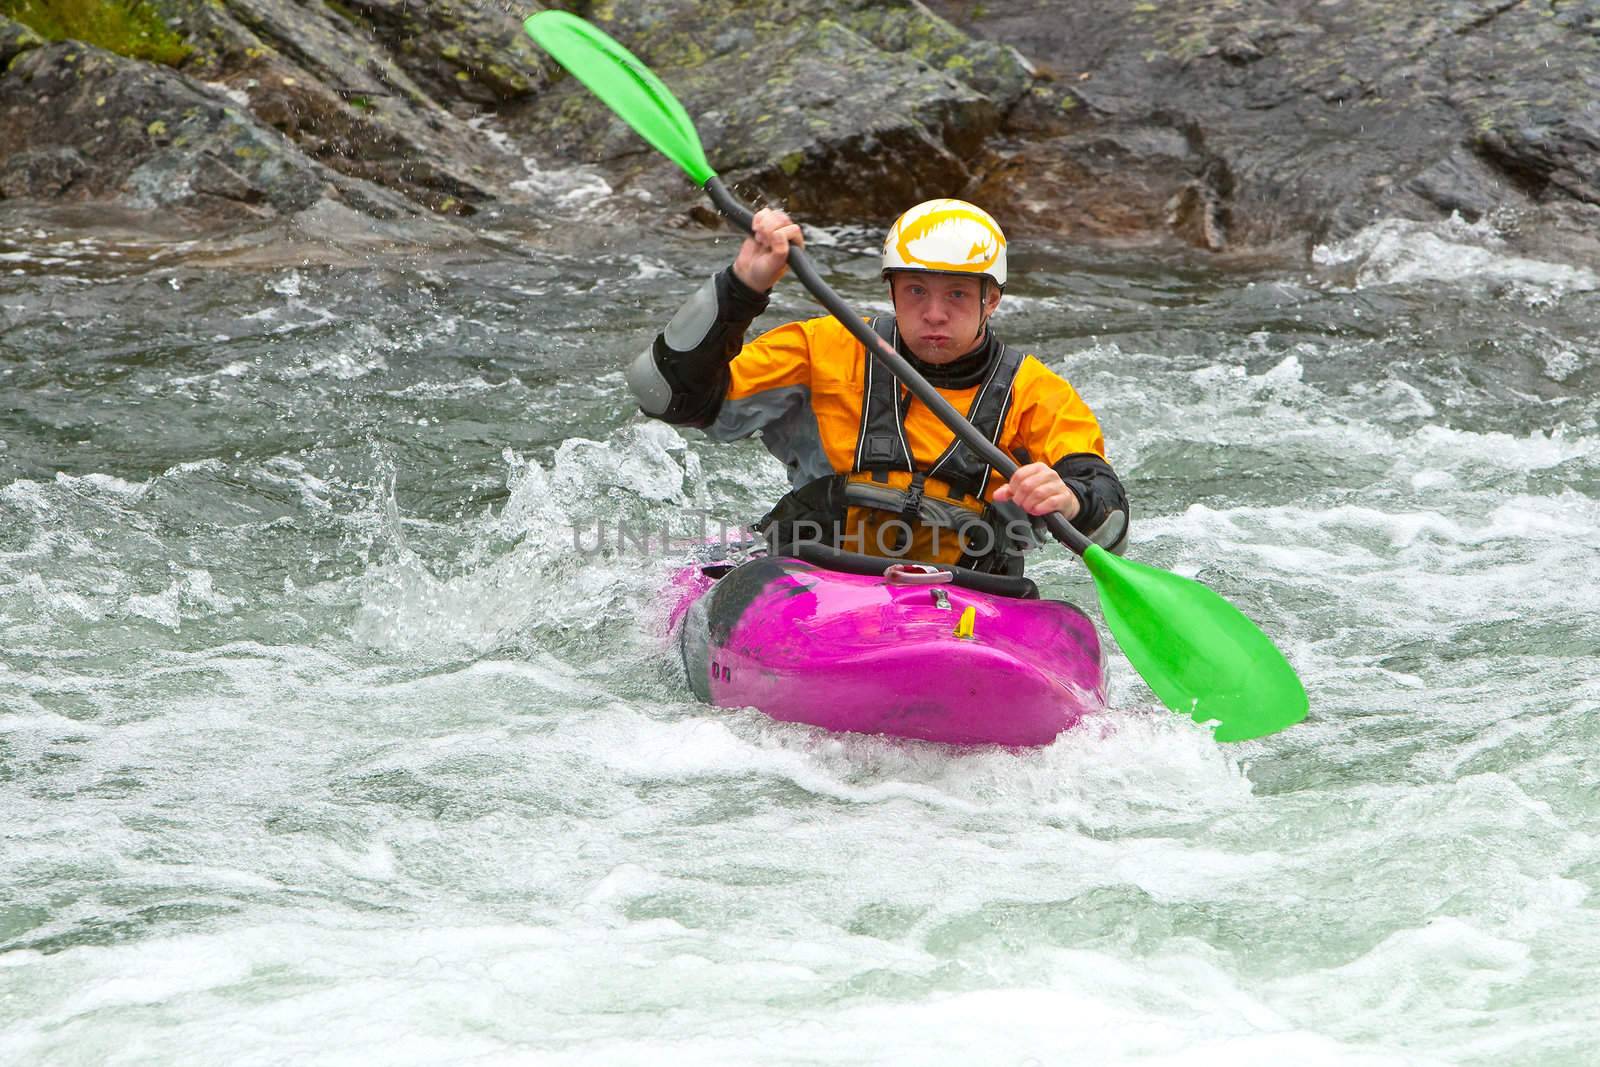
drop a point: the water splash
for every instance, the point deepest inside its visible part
(1399, 252)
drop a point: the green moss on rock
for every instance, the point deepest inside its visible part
(988, 67)
(15, 38)
(132, 29)
(343, 11)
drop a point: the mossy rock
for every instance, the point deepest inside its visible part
(841, 120)
(992, 69)
(15, 39)
(142, 136)
(134, 29)
(468, 50)
(1304, 122)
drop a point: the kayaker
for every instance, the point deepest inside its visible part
(872, 470)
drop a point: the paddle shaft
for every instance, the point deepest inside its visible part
(806, 271)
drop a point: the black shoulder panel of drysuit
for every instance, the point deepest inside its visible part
(699, 376)
(1100, 496)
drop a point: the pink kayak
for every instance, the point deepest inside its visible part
(937, 654)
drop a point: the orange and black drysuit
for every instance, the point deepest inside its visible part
(871, 468)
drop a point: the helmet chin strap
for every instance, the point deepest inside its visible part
(983, 311)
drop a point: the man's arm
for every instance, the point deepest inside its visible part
(1102, 513)
(684, 376)
(1053, 421)
(1082, 487)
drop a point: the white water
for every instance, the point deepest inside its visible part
(318, 745)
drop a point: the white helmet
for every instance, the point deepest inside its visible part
(947, 237)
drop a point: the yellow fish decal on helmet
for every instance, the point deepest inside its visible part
(947, 237)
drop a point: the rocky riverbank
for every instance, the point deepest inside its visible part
(1225, 125)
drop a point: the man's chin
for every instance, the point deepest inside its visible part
(943, 352)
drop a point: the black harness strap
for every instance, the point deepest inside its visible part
(882, 443)
(959, 466)
(881, 446)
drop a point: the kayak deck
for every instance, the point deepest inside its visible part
(870, 654)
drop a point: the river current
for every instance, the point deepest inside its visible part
(336, 725)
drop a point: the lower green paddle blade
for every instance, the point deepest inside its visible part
(626, 85)
(1197, 651)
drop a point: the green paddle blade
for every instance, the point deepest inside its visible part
(1197, 651)
(626, 85)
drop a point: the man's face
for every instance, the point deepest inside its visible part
(938, 314)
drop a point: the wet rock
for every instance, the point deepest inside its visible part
(325, 76)
(41, 173)
(1163, 182)
(1215, 123)
(15, 39)
(841, 110)
(83, 124)
(1462, 182)
(997, 71)
(1302, 122)
(457, 51)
